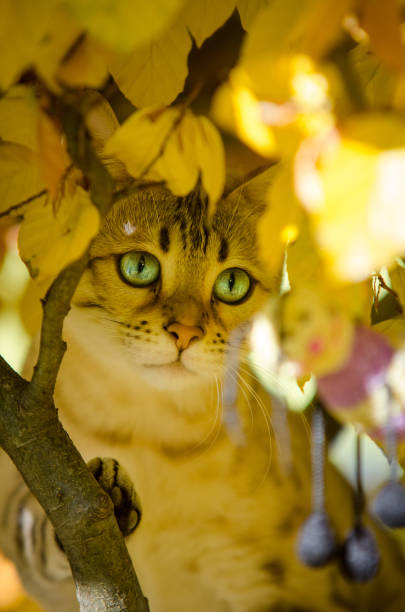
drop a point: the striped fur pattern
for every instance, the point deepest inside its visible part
(219, 517)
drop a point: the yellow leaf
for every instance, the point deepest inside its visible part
(20, 176)
(248, 10)
(19, 117)
(140, 139)
(394, 330)
(38, 39)
(19, 37)
(271, 115)
(304, 264)
(176, 147)
(237, 109)
(204, 17)
(282, 213)
(209, 150)
(154, 73)
(357, 194)
(178, 164)
(61, 35)
(296, 26)
(397, 276)
(193, 147)
(71, 228)
(86, 67)
(382, 22)
(53, 156)
(126, 24)
(376, 81)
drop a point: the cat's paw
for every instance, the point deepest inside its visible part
(114, 479)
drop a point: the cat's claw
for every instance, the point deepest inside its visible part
(113, 478)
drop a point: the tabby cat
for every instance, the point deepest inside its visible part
(140, 387)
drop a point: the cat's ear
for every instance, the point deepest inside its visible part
(253, 187)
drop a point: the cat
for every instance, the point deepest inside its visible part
(140, 388)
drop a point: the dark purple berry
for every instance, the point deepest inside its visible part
(389, 505)
(360, 555)
(316, 541)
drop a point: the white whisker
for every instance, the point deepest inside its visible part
(267, 420)
(216, 427)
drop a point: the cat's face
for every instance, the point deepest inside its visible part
(166, 289)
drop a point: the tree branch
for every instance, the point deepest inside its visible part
(32, 435)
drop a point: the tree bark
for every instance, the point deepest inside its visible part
(30, 432)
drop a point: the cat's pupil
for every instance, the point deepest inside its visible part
(231, 281)
(141, 264)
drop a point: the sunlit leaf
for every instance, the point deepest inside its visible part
(248, 10)
(382, 22)
(53, 156)
(296, 26)
(304, 264)
(209, 151)
(72, 226)
(280, 224)
(149, 128)
(19, 116)
(18, 38)
(377, 83)
(204, 17)
(20, 175)
(61, 35)
(237, 109)
(178, 164)
(86, 66)
(397, 276)
(175, 147)
(154, 73)
(355, 194)
(272, 115)
(194, 146)
(126, 24)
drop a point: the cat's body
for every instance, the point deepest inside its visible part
(141, 382)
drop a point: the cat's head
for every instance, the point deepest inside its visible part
(166, 289)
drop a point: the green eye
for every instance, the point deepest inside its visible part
(139, 269)
(232, 285)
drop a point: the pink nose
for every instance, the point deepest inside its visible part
(184, 334)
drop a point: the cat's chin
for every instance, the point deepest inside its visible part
(171, 376)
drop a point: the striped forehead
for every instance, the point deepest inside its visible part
(182, 223)
(188, 220)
